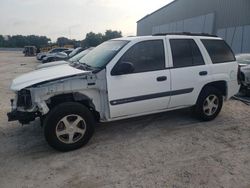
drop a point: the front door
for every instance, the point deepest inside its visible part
(147, 88)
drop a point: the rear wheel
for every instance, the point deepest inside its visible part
(68, 126)
(209, 104)
(50, 60)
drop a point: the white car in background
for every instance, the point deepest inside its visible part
(57, 56)
(244, 62)
(41, 55)
(73, 59)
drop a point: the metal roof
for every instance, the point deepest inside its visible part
(169, 4)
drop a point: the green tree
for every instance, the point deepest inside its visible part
(19, 41)
(1, 41)
(62, 41)
(38, 41)
(109, 34)
(92, 39)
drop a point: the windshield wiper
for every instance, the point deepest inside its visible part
(78, 65)
(84, 66)
(87, 66)
(74, 63)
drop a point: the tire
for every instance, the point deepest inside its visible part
(42, 120)
(68, 126)
(50, 60)
(209, 104)
(248, 92)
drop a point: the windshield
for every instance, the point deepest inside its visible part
(74, 52)
(51, 51)
(103, 53)
(78, 56)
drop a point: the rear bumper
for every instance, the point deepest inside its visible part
(23, 117)
(233, 88)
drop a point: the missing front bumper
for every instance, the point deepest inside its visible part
(22, 117)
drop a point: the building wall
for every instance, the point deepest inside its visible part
(199, 24)
(229, 19)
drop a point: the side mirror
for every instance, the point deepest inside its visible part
(123, 68)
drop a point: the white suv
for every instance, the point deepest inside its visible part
(124, 78)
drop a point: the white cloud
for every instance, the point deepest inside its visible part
(74, 18)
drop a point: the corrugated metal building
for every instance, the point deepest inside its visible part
(229, 19)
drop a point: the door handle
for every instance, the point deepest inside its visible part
(161, 78)
(203, 73)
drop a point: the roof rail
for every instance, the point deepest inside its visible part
(186, 33)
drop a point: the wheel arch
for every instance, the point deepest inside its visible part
(219, 85)
(74, 97)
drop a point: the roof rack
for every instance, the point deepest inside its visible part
(186, 33)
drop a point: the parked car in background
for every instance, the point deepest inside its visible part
(125, 78)
(65, 55)
(76, 51)
(29, 50)
(75, 58)
(41, 55)
(244, 62)
(60, 55)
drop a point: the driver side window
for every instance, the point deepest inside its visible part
(146, 56)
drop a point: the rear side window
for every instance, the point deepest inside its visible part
(185, 53)
(146, 56)
(56, 50)
(219, 51)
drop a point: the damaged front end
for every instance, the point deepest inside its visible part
(22, 109)
(22, 117)
(40, 90)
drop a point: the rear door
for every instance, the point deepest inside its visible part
(147, 88)
(189, 72)
(224, 63)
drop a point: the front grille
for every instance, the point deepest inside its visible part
(24, 99)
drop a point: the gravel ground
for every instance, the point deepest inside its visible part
(170, 149)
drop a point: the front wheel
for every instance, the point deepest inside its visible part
(68, 126)
(209, 104)
(50, 60)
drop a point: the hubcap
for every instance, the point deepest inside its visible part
(70, 129)
(211, 105)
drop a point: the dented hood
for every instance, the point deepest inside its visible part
(45, 74)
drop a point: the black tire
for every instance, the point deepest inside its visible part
(248, 92)
(50, 60)
(201, 103)
(55, 116)
(42, 120)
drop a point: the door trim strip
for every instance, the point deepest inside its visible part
(151, 96)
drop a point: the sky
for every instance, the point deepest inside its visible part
(73, 18)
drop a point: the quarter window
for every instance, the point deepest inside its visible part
(146, 56)
(218, 50)
(185, 53)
